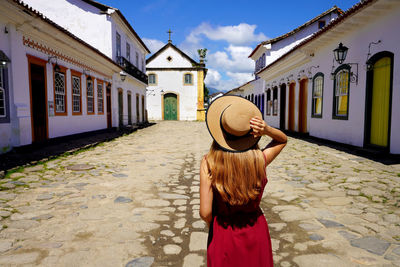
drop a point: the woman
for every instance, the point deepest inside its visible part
(232, 180)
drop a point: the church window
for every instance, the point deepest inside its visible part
(90, 96)
(60, 95)
(188, 79)
(118, 45)
(169, 58)
(152, 79)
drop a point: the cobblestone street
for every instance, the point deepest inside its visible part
(134, 201)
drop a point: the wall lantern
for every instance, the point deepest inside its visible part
(87, 72)
(122, 74)
(310, 76)
(51, 61)
(3, 59)
(340, 53)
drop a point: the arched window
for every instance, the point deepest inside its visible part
(341, 92)
(152, 79)
(317, 94)
(269, 102)
(188, 79)
(275, 101)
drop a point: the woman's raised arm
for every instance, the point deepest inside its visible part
(279, 139)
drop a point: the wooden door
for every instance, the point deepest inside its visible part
(303, 106)
(39, 103)
(143, 108)
(380, 102)
(108, 98)
(137, 109)
(170, 107)
(129, 109)
(120, 108)
(282, 113)
(291, 106)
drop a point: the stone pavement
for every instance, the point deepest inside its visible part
(134, 201)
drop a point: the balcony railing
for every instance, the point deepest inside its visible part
(131, 69)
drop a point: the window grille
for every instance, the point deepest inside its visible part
(90, 96)
(100, 107)
(188, 78)
(59, 89)
(76, 94)
(152, 79)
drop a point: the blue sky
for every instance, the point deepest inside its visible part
(228, 29)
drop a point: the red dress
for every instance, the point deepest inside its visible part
(239, 235)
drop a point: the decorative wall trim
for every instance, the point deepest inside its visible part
(52, 52)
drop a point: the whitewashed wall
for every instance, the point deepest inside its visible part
(172, 82)
(349, 131)
(178, 61)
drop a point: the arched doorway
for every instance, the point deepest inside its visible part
(282, 113)
(303, 106)
(120, 108)
(291, 106)
(108, 105)
(379, 100)
(170, 106)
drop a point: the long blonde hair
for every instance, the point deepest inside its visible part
(237, 176)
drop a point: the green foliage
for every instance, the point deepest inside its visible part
(206, 92)
(202, 53)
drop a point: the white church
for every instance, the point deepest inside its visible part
(176, 85)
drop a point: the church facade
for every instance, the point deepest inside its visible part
(176, 85)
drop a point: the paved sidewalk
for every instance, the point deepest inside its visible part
(134, 201)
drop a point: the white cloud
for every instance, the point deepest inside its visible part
(153, 44)
(234, 59)
(213, 77)
(235, 34)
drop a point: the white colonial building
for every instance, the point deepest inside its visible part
(176, 85)
(54, 83)
(268, 51)
(342, 82)
(106, 29)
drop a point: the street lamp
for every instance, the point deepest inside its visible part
(340, 53)
(122, 74)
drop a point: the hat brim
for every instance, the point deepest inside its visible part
(213, 116)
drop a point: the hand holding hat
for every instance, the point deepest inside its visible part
(258, 126)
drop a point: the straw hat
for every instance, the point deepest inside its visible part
(228, 121)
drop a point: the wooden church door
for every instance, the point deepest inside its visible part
(170, 107)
